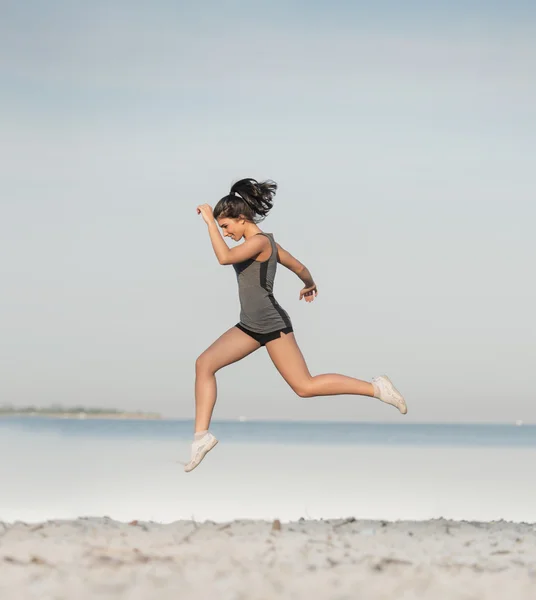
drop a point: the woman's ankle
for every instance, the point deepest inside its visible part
(199, 434)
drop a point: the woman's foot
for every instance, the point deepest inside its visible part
(199, 449)
(385, 391)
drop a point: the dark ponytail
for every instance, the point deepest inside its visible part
(249, 198)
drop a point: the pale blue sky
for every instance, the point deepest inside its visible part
(403, 140)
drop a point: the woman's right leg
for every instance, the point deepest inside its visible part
(289, 361)
(232, 346)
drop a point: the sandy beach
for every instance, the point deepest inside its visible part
(337, 559)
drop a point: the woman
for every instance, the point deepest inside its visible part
(262, 320)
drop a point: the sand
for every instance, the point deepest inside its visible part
(254, 560)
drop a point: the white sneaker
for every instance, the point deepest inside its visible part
(388, 393)
(199, 449)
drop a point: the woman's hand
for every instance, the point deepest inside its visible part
(205, 210)
(309, 293)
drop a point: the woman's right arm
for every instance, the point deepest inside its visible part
(294, 265)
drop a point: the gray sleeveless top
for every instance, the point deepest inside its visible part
(259, 310)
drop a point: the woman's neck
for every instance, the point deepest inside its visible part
(251, 230)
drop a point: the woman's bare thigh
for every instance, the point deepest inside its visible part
(230, 347)
(288, 360)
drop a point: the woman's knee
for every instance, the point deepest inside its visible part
(203, 364)
(303, 389)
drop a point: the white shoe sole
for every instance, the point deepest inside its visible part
(400, 404)
(191, 466)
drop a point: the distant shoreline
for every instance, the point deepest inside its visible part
(83, 415)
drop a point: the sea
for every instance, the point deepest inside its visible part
(126, 469)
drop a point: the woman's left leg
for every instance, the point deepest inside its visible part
(289, 361)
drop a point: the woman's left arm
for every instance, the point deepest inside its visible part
(225, 255)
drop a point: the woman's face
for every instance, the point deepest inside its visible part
(233, 228)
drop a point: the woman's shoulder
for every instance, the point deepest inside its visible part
(266, 234)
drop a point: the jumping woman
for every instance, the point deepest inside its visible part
(263, 322)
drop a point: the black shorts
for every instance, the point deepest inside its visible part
(264, 338)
